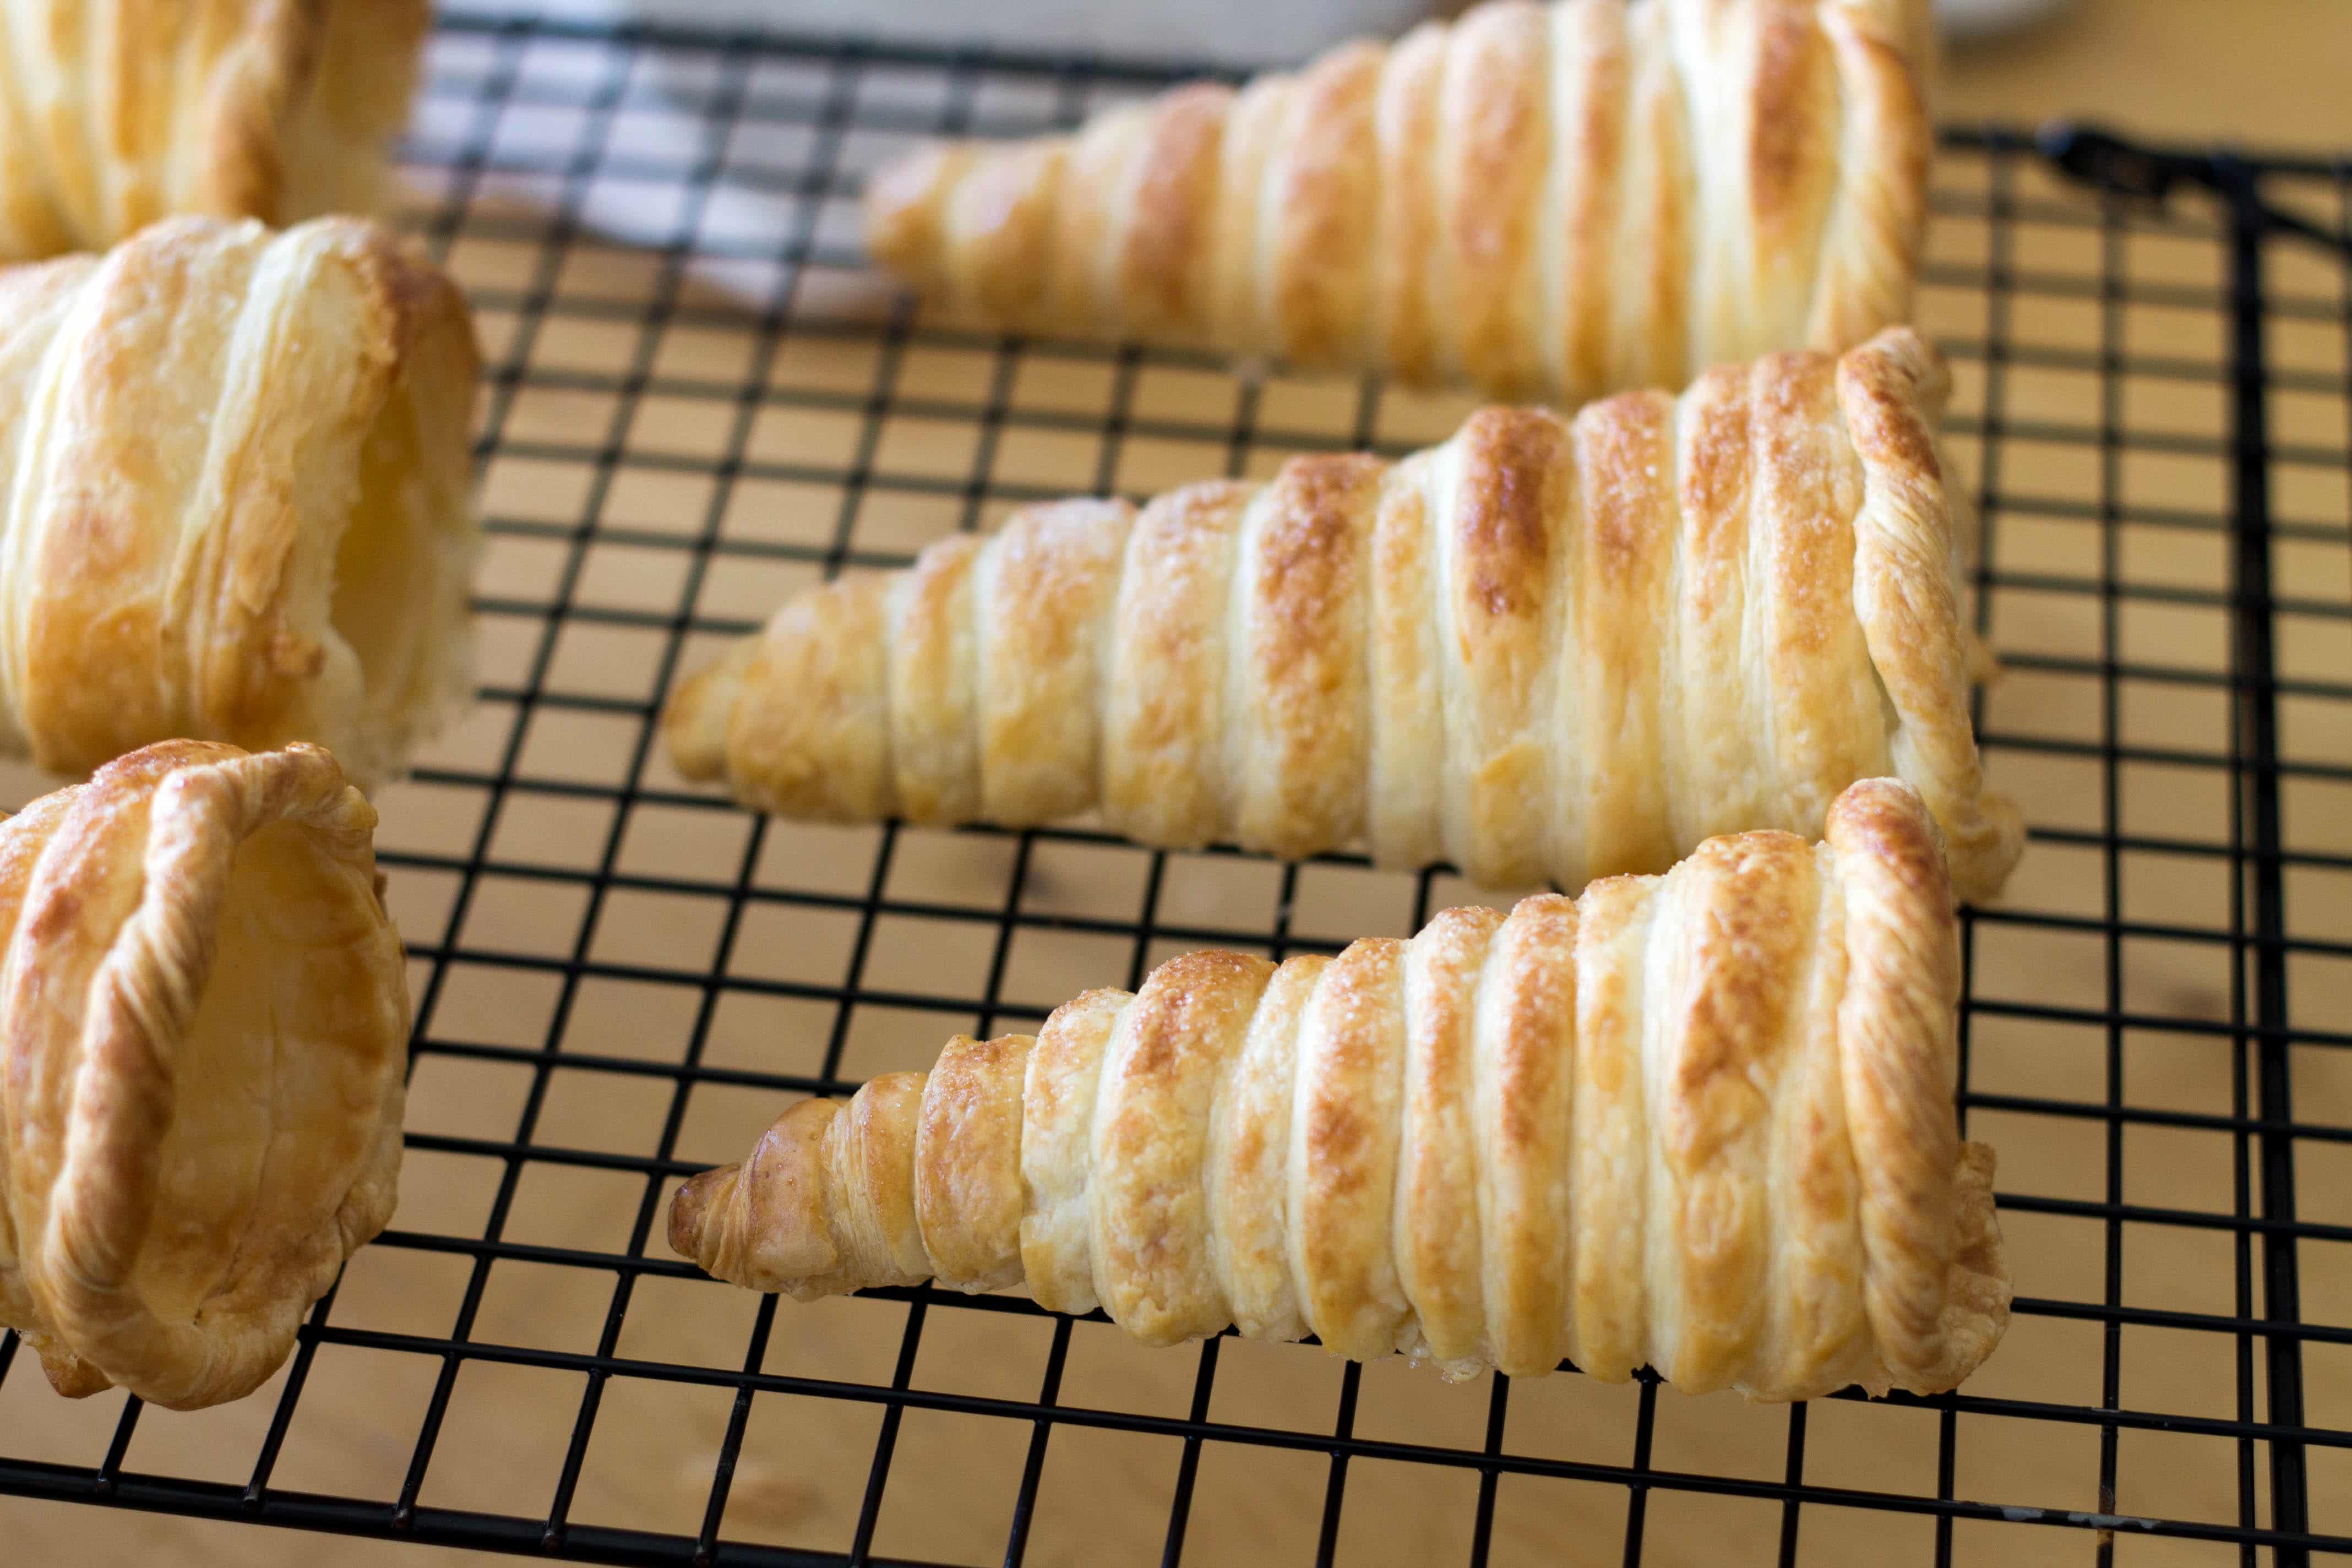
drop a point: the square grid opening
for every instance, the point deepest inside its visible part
(698, 401)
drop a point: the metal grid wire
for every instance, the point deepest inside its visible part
(697, 402)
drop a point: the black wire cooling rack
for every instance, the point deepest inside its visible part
(697, 401)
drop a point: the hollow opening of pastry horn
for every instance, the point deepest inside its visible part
(381, 591)
(390, 561)
(235, 1066)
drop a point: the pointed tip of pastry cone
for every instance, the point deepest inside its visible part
(691, 1220)
(905, 206)
(192, 934)
(695, 723)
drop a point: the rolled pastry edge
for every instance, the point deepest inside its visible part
(115, 896)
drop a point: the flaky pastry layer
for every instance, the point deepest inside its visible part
(115, 113)
(1543, 201)
(1701, 1122)
(1550, 649)
(204, 1027)
(234, 477)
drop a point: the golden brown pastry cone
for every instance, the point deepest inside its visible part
(204, 1028)
(236, 472)
(1541, 201)
(1546, 649)
(1701, 1122)
(114, 113)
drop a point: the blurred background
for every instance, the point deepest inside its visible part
(2259, 69)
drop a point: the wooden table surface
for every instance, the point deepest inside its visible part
(2263, 70)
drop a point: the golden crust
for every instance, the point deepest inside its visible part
(1870, 247)
(201, 1103)
(1579, 345)
(1405, 322)
(237, 472)
(1049, 581)
(1908, 555)
(1328, 172)
(1502, 493)
(1701, 1121)
(1439, 1237)
(1521, 1105)
(1546, 649)
(1164, 717)
(1747, 908)
(1163, 278)
(1057, 1107)
(116, 113)
(804, 718)
(1937, 1286)
(1609, 1132)
(968, 1195)
(1344, 1119)
(1403, 821)
(1248, 1163)
(1495, 117)
(1624, 592)
(1725, 787)
(1150, 1234)
(769, 1222)
(1544, 201)
(1303, 699)
(934, 723)
(868, 1149)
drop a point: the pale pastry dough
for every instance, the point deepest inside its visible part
(1548, 648)
(114, 113)
(1701, 1122)
(203, 1031)
(236, 472)
(1542, 201)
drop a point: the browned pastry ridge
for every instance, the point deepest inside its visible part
(114, 113)
(1541, 201)
(203, 1030)
(1548, 649)
(1700, 1121)
(236, 471)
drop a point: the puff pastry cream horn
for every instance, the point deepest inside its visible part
(235, 469)
(1700, 1121)
(1546, 649)
(1542, 201)
(114, 113)
(204, 1028)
